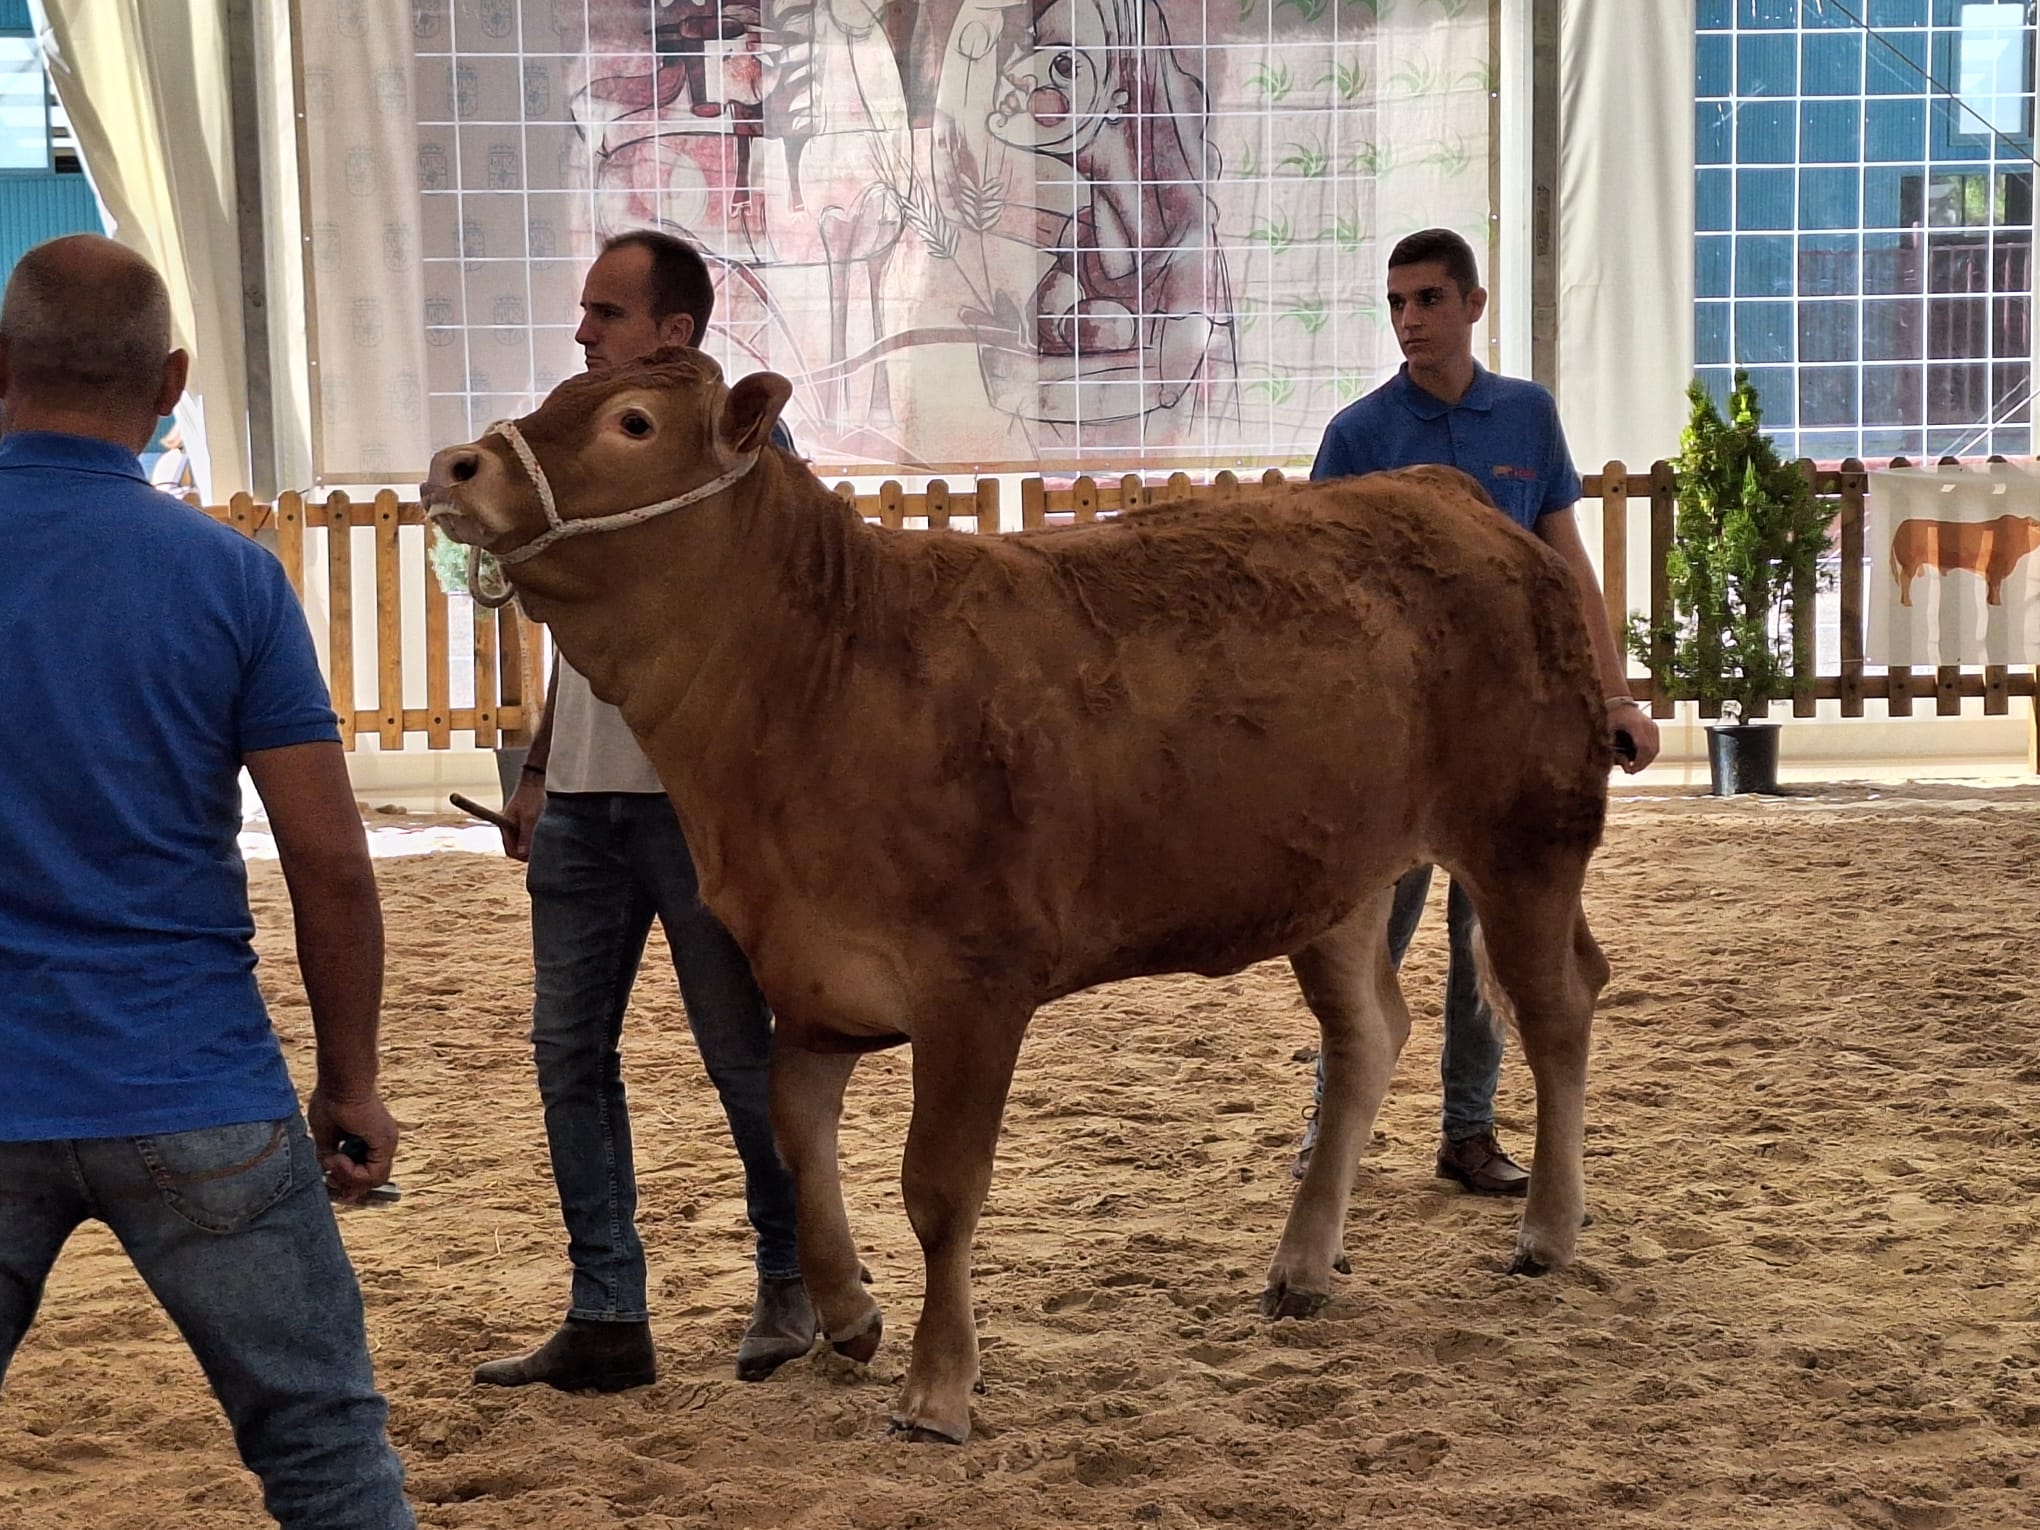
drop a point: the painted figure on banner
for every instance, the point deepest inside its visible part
(1130, 327)
(678, 142)
(1013, 197)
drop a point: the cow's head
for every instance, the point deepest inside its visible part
(658, 435)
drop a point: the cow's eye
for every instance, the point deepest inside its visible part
(636, 426)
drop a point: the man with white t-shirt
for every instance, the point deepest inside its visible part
(606, 856)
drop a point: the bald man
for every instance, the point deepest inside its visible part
(151, 655)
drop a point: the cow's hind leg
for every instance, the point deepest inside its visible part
(961, 1075)
(1542, 955)
(807, 1103)
(1349, 983)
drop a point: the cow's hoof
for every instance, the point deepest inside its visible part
(1343, 1265)
(1279, 1302)
(903, 1428)
(1527, 1263)
(863, 1344)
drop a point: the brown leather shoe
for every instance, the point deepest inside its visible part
(581, 1357)
(783, 1328)
(1480, 1164)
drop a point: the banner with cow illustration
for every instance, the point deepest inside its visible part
(1953, 574)
(1060, 234)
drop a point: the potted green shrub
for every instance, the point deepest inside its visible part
(1748, 533)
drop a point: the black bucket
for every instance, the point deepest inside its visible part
(1744, 758)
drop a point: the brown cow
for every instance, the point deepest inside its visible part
(1990, 548)
(933, 781)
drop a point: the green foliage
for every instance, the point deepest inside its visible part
(1277, 233)
(1274, 83)
(1305, 159)
(1748, 533)
(1310, 312)
(1347, 79)
(449, 561)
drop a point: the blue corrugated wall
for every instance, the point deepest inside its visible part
(38, 207)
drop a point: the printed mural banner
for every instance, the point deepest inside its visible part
(1054, 234)
(1952, 577)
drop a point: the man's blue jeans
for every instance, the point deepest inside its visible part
(1470, 1062)
(602, 866)
(231, 1228)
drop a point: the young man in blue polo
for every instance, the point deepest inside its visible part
(1443, 408)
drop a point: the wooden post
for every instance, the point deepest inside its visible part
(1996, 688)
(484, 621)
(339, 524)
(290, 539)
(389, 625)
(1615, 553)
(1664, 504)
(1803, 704)
(1897, 678)
(1852, 483)
(1084, 498)
(988, 506)
(937, 500)
(1948, 677)
(438, 659)
(1033, 504)
(892, 510)
(510, 668)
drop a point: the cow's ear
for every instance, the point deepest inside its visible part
(750, 412)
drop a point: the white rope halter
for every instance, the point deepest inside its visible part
(498, 591)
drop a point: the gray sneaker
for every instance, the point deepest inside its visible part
(783, 1328)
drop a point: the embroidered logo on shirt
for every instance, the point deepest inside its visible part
(1505, 470)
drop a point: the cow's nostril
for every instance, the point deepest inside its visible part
(465, 466)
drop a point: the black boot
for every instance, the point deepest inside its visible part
(581, 1357)
(783, 1328)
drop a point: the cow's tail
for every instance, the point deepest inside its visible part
(1500, 1008)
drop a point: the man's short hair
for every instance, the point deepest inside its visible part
(1446, 249)
(99, 335)
(680, 280)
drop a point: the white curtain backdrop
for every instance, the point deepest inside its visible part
(145, 86)
(1625, 230)
(1187, 270)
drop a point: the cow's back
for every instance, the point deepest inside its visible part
(1194, 737)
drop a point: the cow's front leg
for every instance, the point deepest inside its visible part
(1349, 983)
(961, 1075)
(807, 1103)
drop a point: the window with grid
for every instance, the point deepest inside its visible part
(1864, 199)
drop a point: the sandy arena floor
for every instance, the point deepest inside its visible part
(1810, 1297)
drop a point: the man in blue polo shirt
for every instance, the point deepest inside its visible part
(149, 654)
(1443, 408)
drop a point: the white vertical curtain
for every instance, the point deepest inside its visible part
(145, 87)
(1625, 227)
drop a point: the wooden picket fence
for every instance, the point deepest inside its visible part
(508, 651)
(1852, 682)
